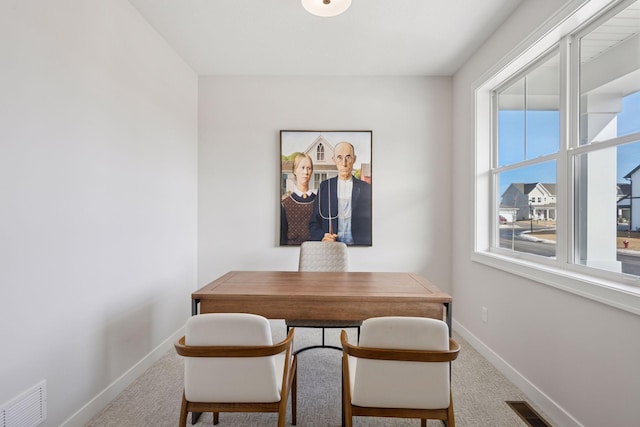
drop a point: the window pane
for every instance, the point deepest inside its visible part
(528, 115)
(527, 212)
(610, 78)
(608, 238)
(629, 117)
(511, 124)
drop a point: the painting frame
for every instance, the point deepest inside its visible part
(315, 194)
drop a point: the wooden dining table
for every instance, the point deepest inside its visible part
(323, 295)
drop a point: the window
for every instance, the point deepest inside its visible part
(318, 177)
(558, 151)
(320, 153)
(528, 140)
(608, 141)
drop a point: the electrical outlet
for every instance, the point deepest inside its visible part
(485, 314)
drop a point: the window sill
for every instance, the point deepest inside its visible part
(619, 295)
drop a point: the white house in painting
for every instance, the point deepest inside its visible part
(321, 152)
(529, 201)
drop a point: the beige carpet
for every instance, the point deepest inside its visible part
(479, 393)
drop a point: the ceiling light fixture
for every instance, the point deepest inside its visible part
(326, 8)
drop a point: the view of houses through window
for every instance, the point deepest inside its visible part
(528, 114)
(591, 176)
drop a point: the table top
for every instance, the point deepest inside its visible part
(323, 285)
(323, 296)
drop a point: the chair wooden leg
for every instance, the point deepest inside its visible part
(347, 415)
(342, 397)
(451, 418)
(423, 422)
(183, 412)
(348, 418)
(451, 422)
(216, 418)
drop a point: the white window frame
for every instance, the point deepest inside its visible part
(612, 289)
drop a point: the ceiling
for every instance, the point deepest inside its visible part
(610, 34)
(279, 37)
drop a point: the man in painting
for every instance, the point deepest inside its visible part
(342, 209)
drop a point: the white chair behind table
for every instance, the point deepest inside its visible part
(401, 369)
(328, 257)
(323, 256)
(232, 365)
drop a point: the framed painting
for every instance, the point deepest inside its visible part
(325, 186)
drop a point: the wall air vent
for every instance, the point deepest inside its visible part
(27, 410)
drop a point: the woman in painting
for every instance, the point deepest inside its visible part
(296, 208)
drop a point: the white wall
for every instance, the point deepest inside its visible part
(98, 198)
(239, 165)
(576, 357)
(98, 205)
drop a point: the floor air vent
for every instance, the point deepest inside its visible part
(528, 414)
(27, 410)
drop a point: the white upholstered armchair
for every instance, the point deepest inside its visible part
(231, 365)
(401, 368)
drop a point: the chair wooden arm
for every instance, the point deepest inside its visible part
(401, 355)
(234, 351)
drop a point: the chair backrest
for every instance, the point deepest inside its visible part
(401, 384)
(323, 256)
(230, 379)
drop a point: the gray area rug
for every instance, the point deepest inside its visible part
(479, 392)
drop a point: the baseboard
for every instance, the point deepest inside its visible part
(99, 402)
(557, 415)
